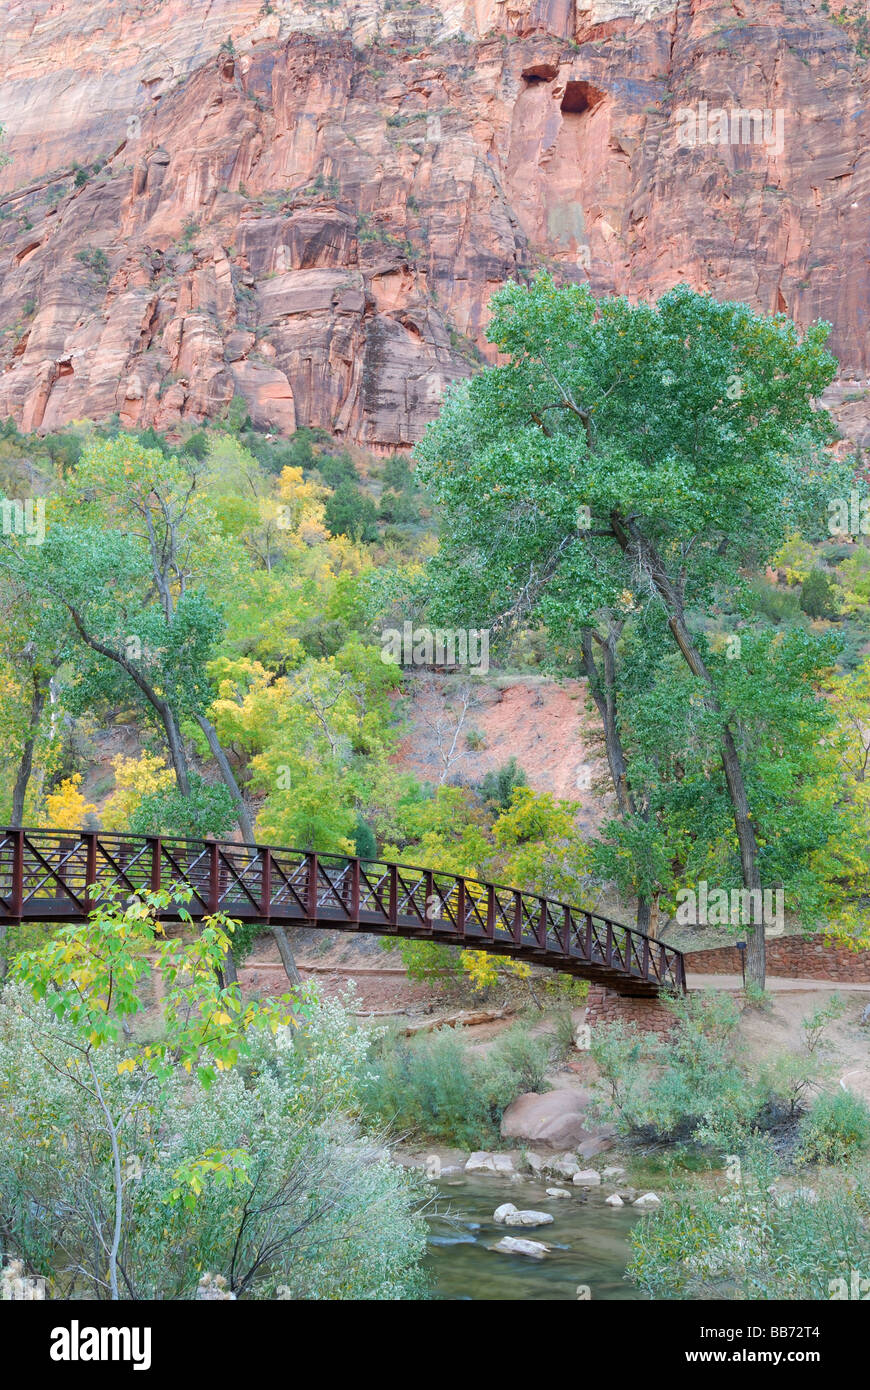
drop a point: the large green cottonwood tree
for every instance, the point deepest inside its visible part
(626, 457)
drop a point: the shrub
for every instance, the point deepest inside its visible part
(336, 469)
(754, 1244)
(820, 596)
(96, 260)
(365, 844)
(261, 1178)
(397, 474)
(398, 508)
(433, 1088)
(676, 1088)
(775, 602)
(617, 1049)
(350, 512)
(836, 1128)
(208, 810)
(498, 787)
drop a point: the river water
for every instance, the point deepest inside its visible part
(589, 1243)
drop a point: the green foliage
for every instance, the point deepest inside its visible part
(350, 512)
(207, 810)
(691, 1080)
(820, 595)
(836, 1129)
(258, 1182)
(775, 602)
(364, 842)
(97, 261)
(397, 474)
(751, 1243)
(237, 416)
(498, 786)
(400, 509)
(617, 1051)
(336, 469)
(433, 1088)
(680, 442)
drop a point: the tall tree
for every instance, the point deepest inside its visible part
(629, 455)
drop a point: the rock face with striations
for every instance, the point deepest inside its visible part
(309, 204)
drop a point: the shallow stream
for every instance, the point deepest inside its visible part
(589, 1243)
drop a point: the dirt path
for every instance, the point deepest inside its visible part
(775, 984)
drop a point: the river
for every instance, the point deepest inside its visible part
(589, 1240)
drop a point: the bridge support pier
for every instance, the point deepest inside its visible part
(606, 1006)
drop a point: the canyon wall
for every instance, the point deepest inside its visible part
(310, 204)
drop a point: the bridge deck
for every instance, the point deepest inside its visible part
(61, 875)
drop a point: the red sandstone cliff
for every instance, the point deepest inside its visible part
(316, 214)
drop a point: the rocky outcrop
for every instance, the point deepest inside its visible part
(309, 204)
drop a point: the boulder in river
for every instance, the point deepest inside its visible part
(528, 1218)
(614, 1200)
(516, 1245)
(649, 1199)
(490, 1163)
(558, 1192)
(587, 1177)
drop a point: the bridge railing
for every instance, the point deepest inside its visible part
(62, 874)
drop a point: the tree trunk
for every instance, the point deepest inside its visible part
(161, 706)
(220, 757)
(286, 953)
(176, 748)
(228, 975)
(603, 691)
(633, 542)
(25, 767)
(246, 826)
(602, 686)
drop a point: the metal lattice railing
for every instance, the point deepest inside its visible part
(61, 875)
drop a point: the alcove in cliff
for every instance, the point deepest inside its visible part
(580, 98)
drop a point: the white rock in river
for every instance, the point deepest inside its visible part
(649, 1199)
(558, 1192)
(501, 1213)
(587, 1177)
(514, 1245)
(490, 1163)
(614, 1200)
(528, 1218)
